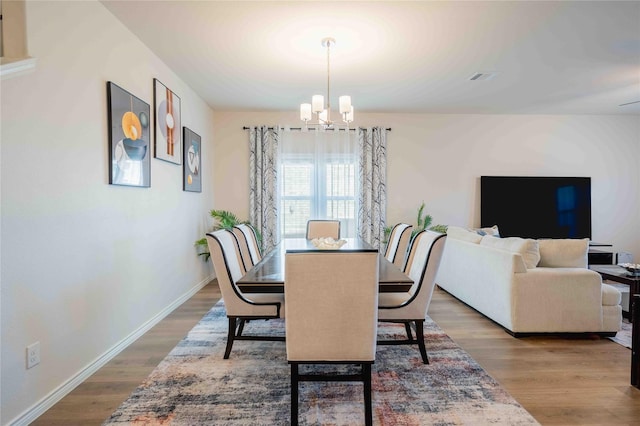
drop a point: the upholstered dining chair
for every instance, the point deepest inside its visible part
(240, 307)
(331, 317)
(399, 238)
(323, 228)
(411, 307)
(249, 247)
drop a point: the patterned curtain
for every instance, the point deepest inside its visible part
(263, 186)
(372, 214)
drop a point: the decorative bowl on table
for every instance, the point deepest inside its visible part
(328, 243)
(633, 268)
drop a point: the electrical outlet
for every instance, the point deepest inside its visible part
(33, 355)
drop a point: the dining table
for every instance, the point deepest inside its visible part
(267, 276)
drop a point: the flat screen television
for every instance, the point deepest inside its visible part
(536, 207)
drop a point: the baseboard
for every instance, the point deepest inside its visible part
(61, 391)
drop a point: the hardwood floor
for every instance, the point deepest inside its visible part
(559, 381)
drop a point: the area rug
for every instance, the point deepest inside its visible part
(623, 337)
(194, 385)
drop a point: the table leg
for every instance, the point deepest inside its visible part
(635, 339)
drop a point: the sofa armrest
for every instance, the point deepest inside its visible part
(557, 300)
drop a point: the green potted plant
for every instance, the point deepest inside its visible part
(223, 219)
(423, 222)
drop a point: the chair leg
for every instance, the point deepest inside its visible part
(420, 337)
(294, 394)
(407, 326)
(368, 409)
(241, 327)
(230, 335)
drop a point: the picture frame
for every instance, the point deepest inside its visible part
(167, 109)
(192, 161)
(129, 138)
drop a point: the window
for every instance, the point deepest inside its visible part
(318, 180)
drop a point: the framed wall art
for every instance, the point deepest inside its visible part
(129, 138)
(192, 178)
(168, 142)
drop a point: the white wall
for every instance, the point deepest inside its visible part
(439, 159)
(84, 263)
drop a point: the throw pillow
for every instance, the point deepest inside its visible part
(526, 247)
(564, 253)
(459, 233)
(493, 231)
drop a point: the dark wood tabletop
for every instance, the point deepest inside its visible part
(268, 275)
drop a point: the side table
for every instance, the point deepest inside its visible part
(620, 275)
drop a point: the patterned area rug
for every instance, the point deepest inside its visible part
(193, 385)
(623, 337)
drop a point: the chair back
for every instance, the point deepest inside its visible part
(227, 263)
(399, 238)
(249, 248)
(331, 305)
(323, 228)
(422, 266)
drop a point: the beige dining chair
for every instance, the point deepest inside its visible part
(323, 229)
(399, 238)
(240, 307)
(410, 308)
(331, 317)
(249, 247)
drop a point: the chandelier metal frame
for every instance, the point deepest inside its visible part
(317, 105)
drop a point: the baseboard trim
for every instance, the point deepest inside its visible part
(61, 391)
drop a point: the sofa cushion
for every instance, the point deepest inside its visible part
(526, 247)
(459, 233)
(611, 296)
(563, 253)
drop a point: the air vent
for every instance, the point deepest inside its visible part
(483, 75)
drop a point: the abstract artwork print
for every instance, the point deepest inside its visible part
(129, 136)
(168, 142)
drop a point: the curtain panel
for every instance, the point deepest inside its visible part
(372, 214)
(263, 183)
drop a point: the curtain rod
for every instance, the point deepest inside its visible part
(311, 128)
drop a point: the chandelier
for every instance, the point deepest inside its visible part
(317, 105)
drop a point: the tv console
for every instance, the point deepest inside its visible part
(602, 255)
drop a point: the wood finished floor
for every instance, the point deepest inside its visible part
(559, 381)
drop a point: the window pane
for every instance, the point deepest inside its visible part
(340, 179)
(295, 214)
(297, 179)
(341, 209)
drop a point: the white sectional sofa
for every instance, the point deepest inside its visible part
(529, 286)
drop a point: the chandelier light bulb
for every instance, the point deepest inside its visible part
(345, 104)
(349, 115)
(305, 112)
(317, 101)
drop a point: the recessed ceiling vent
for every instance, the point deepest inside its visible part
(483, 75)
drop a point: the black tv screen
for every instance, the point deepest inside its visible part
(536, 207)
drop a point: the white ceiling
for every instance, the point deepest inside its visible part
(556, 57)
